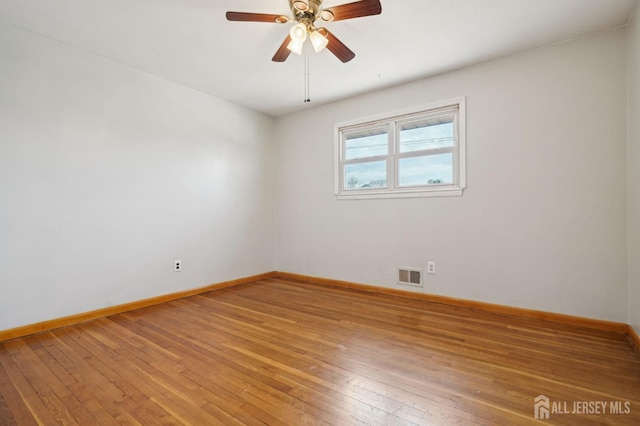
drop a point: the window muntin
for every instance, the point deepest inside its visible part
(417, 153)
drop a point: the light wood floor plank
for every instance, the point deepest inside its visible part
(281, 352)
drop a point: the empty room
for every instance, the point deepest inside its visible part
(283, 212)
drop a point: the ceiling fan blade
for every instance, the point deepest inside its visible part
(283, 53)
(256, 17)
(352, 10)
(337, 47)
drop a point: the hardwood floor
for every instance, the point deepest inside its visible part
(279, 352)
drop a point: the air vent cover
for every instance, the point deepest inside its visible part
(410, 276)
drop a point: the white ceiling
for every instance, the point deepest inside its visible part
(191, 43)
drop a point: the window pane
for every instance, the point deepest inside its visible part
(365, 175)
(429, 134)
(428, 170)
(365, 144)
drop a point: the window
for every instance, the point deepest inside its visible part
(415, 153)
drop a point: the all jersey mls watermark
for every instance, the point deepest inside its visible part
(544, 408)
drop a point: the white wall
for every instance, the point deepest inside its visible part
(108, 174)
(634, 170)
(543, 222)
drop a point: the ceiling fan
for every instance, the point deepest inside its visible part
(305, 13)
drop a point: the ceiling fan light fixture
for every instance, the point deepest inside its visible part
(295, 46)
(304, 15)
(318, 40)
(298, 33)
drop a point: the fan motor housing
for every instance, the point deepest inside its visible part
(309, 9)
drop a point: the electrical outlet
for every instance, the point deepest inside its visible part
(431, 267)
(177, 265)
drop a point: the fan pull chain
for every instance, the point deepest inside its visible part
(306, 78)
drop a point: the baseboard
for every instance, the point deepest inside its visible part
(113, 310)
(483, 306)
(633, 336)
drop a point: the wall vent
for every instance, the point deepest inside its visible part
(410, 276)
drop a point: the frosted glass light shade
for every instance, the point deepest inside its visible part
(298, 33)
(295, 46)
(318, 40)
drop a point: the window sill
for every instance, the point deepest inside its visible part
(367, 195)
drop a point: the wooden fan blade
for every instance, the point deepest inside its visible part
(337, 47)
(283, 53)
(256, 17)
(354, 10)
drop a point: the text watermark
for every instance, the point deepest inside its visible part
(544, 407)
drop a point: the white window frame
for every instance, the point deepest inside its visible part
(455, 107)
